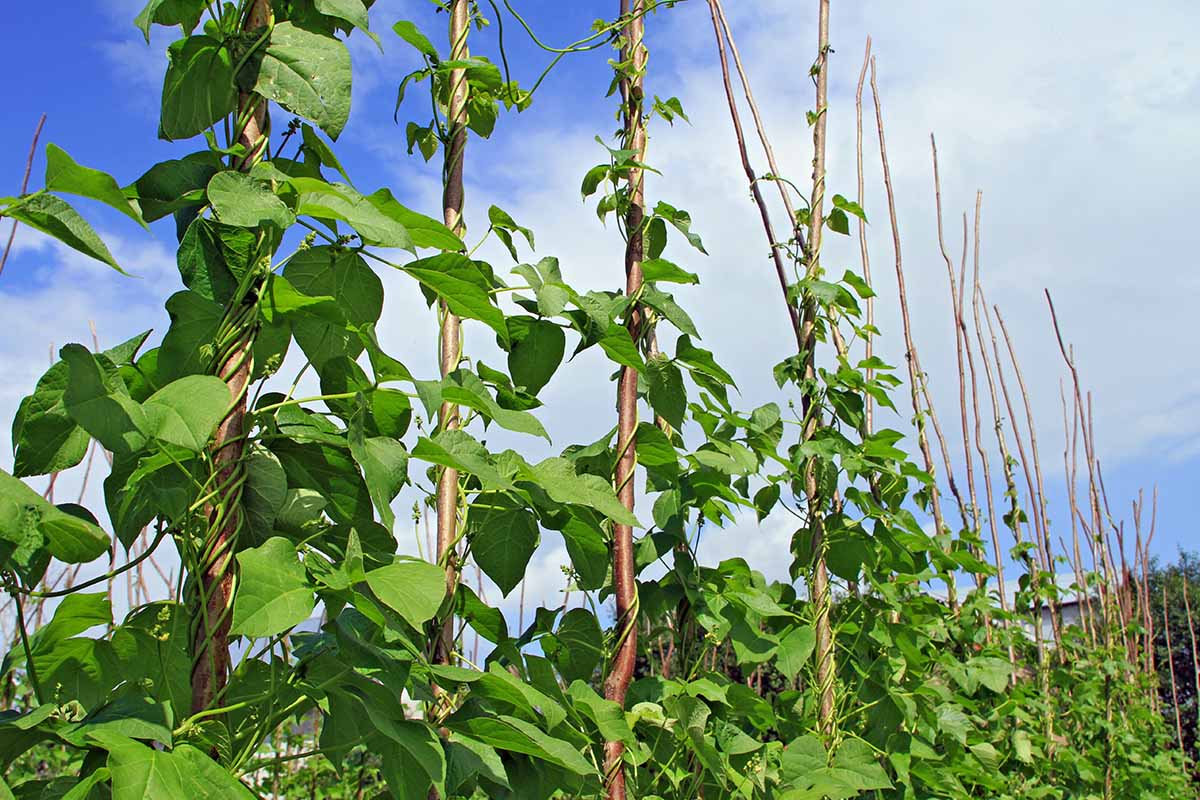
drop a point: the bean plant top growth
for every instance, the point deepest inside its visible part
(670, 678)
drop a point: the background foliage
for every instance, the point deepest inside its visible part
(280, 507)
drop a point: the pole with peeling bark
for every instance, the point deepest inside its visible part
(216, 577)
(450, 340)
(633, 57)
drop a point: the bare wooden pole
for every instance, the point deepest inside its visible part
(1097, 538)
(997, 423)
(1187, 609)
(778, 252)
(760, 129)
(963, 344)
(634, 55)
(1040, 504)
(864, 255)
(1043, 554)
(915, 375)
(1070, 467)
(1171, 670)
(12, 233)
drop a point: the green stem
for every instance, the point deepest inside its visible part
(29, 666)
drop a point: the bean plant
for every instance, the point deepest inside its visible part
(675, 678)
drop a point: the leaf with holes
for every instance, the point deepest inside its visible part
(309, 75)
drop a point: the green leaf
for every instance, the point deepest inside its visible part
(953, 722)
(331, 472)
(994, 673)
(608, 716)
(556, 477)
(352, 11)
(682, 221)
(185, 13)
(198, 90)
(186, 412)
(667, 395)
(659, 269)
(247, 202)
(509, 733)
(457, 280)
(175, 184)
(700, 359)
(357, 290)
(413, 589)
(795, 649)
(323, 200)
(26, 515)
(132, 715)
(1022, 746)
(424, 231)
(281, 300)
(420, 743)
(273, 592)
(504, 226)
(838, 222)
(802, 757)
(384, 463)
(410, 33)
(619, 346)
(315, 146)
(592, 180)
(458, 450)
(55, 217)
(466, 388)
(309, 75)
(848, 551)
(503, 537)
(487, 621)
(212, 257)
(537, 349)
(586, 545)
(64, 175)
(81, 790)
(263, 495)
(96, 399)
(849, 206)
(664, 304)
(469, 759)
(143, 773)
(856, 757)
(45, 437)
(578, 645)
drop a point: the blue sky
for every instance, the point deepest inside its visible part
(1076, 120)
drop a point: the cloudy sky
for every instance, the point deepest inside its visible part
(1077, 121)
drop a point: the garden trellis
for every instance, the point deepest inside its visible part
(294, 652)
